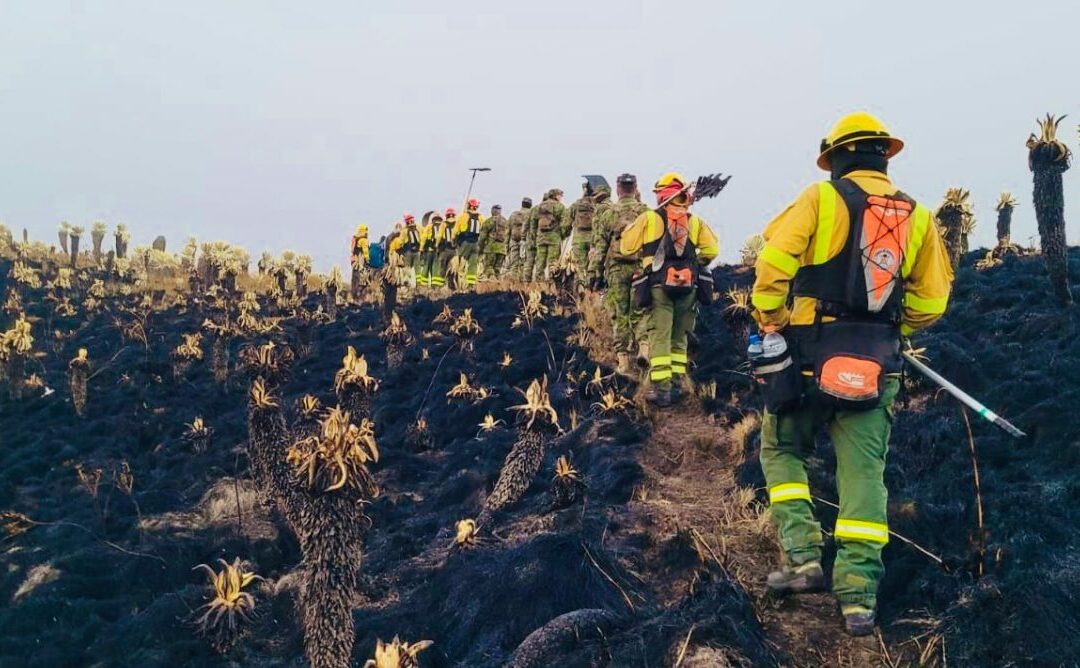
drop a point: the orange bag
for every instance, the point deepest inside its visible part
(886, 225)
(855, 382)
(679, 278)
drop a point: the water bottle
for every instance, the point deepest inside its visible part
(755, 348)
(773, 346)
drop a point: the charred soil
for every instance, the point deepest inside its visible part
(660, 561)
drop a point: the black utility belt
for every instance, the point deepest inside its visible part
(849, 360)
(468, 236)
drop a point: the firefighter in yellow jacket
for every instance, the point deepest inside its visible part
(407, 244)
(675, 246)
(848, 269)
(466, 236)
(360, 247)
(442, 237)
(427, 248)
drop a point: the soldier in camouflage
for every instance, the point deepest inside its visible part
(581, 215)
(606, 264)
(603, 203)
(549, 225)
(494, 234)
(518, 222)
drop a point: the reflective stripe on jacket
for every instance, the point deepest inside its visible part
(814, 229)
(649, 227)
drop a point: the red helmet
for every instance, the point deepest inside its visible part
(474, 204)
(409, 218)
(451, 212)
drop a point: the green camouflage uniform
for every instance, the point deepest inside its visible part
(518, 222)
(530, 247)
(550, 226)
(603, 203)
(492, 244)
(582, 213)
(617, 271)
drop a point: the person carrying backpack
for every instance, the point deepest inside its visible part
(607, 265)
(549, 226)
(376, 254)
(494, 235)
(674, 247)
(848, 269)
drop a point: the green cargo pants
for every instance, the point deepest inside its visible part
(861, 440)
(580, 249)
(548, 246)
(439, 267)
(493, 263)
(625, 316)
(467, 250)
(530, 260)
(671, 319)
(513, 267)
(426, 266)
(412, 262)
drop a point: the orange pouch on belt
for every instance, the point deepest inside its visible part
(855, 382)
(679, 278)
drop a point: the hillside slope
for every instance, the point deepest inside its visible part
(662, 562)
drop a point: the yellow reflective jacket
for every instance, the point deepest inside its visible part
(649, 227)
(814, 229)
(403, 237)
(462, 225)
(442, 234)
(361, 246)
(426, 231)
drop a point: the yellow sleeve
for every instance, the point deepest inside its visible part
(365, 248)
(927, 285)
(633, 237)
(707, 245)
(398, 241)
(786, 239)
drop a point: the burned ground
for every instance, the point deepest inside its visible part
(662, 561)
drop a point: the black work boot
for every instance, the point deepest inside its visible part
(802, 579)
(661, 398)
(858, 619)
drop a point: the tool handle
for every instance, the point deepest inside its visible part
(964, 397)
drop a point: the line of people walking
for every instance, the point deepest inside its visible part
(848, 270)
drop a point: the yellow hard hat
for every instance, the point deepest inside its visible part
(361, 230)
(669, 179)
(855, 127)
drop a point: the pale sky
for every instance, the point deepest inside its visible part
(283, 124)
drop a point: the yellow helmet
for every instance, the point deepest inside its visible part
(855, 127)
(669, 179)
(361, 230)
